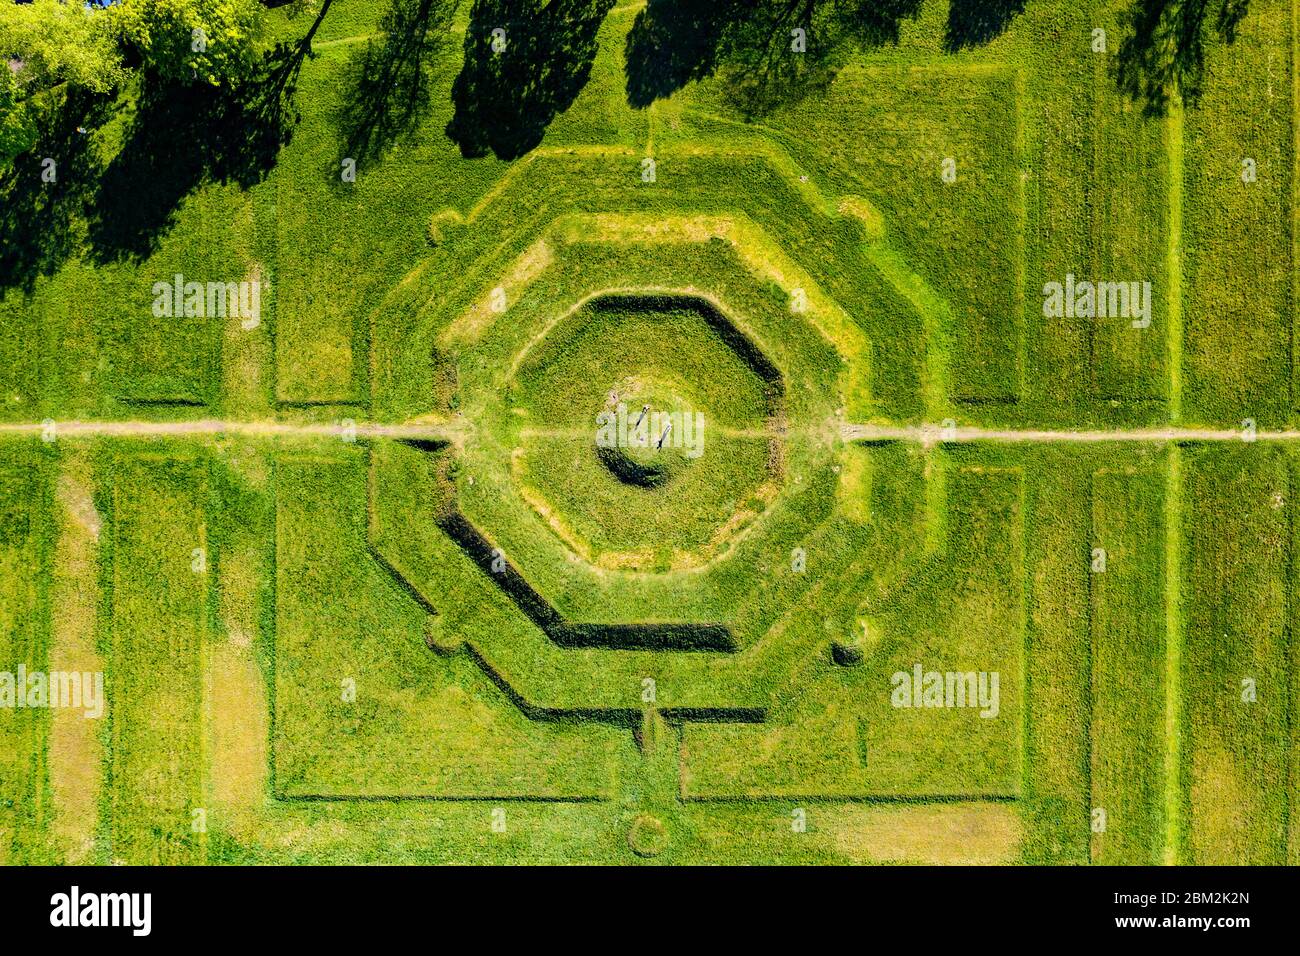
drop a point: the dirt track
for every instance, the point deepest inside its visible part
(924, 434)
(212, 426)
(934, 434)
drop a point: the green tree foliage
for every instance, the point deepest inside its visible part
(45, 44)
(207, 41)
(58, 41)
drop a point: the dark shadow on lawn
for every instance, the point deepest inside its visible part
(751, 46)
(505, 99)
(38, 218)
(183, 136)
(672, 44)
(386, 89)
(973, 23)
(179, 137)
(1163, 53)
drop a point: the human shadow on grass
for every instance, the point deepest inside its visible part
(520, 72)
(1163, 54)
(45, 191)
(973, 23)
(386, 90)
(185, 135)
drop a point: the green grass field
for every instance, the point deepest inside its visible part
(932, 585)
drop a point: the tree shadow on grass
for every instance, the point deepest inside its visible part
(973, 23)
(506, 96)
(387, 88)
(39, 219)
(184, 135)
(672, 44)
(1163, 55)
(767, 54)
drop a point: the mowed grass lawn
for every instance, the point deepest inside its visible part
(498, 640)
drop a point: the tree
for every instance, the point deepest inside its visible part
(206, 41)
(44, 45)
(57, 41)
(183, 133)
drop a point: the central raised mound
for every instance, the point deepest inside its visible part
(649, 430)
(646, 435)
